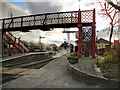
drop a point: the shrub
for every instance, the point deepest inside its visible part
(105, 53)
(109, 65)
(110, 56)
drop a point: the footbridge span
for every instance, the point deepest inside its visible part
(84, 20)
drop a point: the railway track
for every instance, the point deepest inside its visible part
(17, 67)
(15, 70)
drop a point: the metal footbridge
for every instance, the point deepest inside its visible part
(84, 20)
(47, 21)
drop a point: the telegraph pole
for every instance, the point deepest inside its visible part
(10, 14)
(40, 37)
(68, 35)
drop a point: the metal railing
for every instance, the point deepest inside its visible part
(11, 36)
(48, 19)
(23, 47)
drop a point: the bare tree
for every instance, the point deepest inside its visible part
(109, 11)
(113, 5)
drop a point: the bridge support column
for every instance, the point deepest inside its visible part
(79, 39)
(79, 33)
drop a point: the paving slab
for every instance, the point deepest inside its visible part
(88, 64)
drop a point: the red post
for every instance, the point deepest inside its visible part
(79, 33)
(19, 40)
(94, 43)
(2, 45)
(15, 45)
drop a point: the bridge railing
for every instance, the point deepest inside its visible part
(48, 19)
(10, 35)
(87, 16)
(17, 41)
(26, 49)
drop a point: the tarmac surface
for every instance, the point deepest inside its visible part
(53, 75)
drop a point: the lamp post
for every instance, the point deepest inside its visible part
(40, 37)
(11, 14)
(97, 35)
(79, 3)
(96, 47)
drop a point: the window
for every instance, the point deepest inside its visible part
(102, 45)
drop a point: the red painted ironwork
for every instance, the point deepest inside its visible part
(79, 37)
(17, 48)
(84, 20)
(48, 20)
(86, 39)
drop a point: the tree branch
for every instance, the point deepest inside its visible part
(116, 22)
(113, 5)
(107, 12)
(114, 14)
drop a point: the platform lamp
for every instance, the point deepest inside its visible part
(96, 47)
(97, 35)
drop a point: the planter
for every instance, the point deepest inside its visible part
(76, 59)
(72, 60)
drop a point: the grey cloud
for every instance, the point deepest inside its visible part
(59, 42)
(56, 42)
(102, 34)
(42, 7)
(29, 36)
(8, 8)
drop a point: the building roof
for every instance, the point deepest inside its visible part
(101, 40)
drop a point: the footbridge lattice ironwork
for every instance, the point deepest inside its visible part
(84, 20)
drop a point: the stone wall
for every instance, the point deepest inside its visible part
(89, 78)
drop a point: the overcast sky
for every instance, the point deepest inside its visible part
(23, 7)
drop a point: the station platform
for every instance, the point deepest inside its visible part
(53, 75)
(21, 55)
